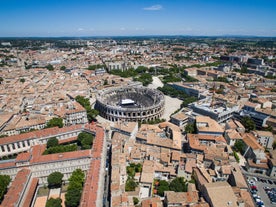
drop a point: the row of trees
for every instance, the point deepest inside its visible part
(74, 190)
(91, 113)
(53, 147)
(131, 170)
(55, 122)
(174, 93)
(139, 74)
(177, 185)
(4, 183)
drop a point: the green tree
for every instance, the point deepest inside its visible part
(163, 186)
(55, 122)
(77, 176)
(72, 197)
(60, 149)
(130, 171)
(135, 200)
(244, 69)
(55, 180)
(5, 181)
(236, 156)
(22, 80)
(248, 124)
(54, 202)
(239, 146)
(73, 194)
(85, 140)
(91, 113)
(179, 185)
(50, 67)
(190, 128)
(63, 68)
(274, 144)
(52, 142)
(130, 185)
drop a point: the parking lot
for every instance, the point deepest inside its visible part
(264, 187)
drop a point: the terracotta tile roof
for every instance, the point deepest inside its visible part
(90, 190)
(183, 198)
(23, 157)
(41, 133)
(251, 141)
(7, 164)
(13, 195)
(251, 163)
(31, 192)
(61, 156)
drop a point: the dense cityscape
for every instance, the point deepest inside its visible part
(138, 103)
(138, 121)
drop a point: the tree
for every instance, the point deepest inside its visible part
(5, 181)
(22, 80)
(63, 68)
(163, 186)
(85, 140)
(55, 180)
(77, 176)
(52, 142)
(248, 123)
(274, 144)
(73, 194)
(1, 80)
(236, 156)
(130, 185)
(190, 128)
(91, 113)
(55, 122)
(54, 202)
(239, 146)
(135, 200)
(178, 185)
(72, 197)
(50, 67)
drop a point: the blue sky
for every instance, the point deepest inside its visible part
(137, 17)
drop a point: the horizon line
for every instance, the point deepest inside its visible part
(150, 35)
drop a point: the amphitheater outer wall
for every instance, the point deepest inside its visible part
(118, 113)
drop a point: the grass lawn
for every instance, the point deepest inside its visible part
(43, 191)
(64, 187)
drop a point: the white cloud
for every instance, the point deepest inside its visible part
(122, 29)
(80, 29)
(156, 7)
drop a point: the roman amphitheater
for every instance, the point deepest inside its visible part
(130, 104)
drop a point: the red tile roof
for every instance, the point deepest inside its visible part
(90, 190)
(13, 195)
(31, 192)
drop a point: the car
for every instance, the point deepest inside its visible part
(254, 178)
(254, 187)
(257, 199)
(274, 182)
(253, 192)
(270, 182)
(251, 182)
